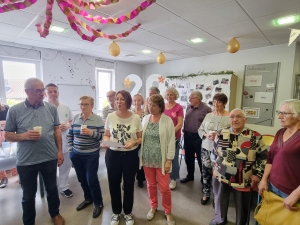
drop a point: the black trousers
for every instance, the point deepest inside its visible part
(121, 164)
(192, 145)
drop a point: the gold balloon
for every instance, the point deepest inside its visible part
(114, 49)
(161, 58)
(233, 45)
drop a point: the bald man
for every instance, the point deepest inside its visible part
(111, 105)
(34, 124)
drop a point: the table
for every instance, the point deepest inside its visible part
(9, 163)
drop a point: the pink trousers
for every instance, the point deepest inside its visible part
(154, 176)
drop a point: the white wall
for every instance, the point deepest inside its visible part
(237, 62)
(63, 69)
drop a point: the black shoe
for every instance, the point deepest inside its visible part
(67, 193)
(97, 211)
(203, 202)
(212, 222)
(83, 204)
(185, 180)
(140, 184)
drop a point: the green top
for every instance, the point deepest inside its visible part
(151, 147)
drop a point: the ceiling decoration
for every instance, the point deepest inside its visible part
(233, 46)
(69, 6)
(10, 5)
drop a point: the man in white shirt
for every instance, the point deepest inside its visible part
(65, 118)
(111, 105)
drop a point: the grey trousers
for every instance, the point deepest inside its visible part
(221, 196)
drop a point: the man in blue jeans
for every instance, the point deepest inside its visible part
(84, 139)
(34, 124)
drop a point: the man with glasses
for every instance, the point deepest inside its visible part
(111, 105)
(34, 124)
(65, 118)
(239, 157)
(84, 139)
(195, 114)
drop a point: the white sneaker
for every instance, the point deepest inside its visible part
(115, 219)
(171, 221)
(150, 214)
(129, 219)
(172, 184)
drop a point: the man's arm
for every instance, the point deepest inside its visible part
(29, 135)
(58, 142)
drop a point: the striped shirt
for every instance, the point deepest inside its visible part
(84, 144)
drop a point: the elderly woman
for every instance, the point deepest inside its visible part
(175, 112)
(123, 127)
(240, 158)
(138, 101)
(212, 122)
(157, 153)
(281, 174)
(152, 91)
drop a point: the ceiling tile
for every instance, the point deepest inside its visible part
(267, 7)
(223, 15)
(279, 36)
(17, 17)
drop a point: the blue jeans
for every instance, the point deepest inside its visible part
(175, 162)
(28, 177)
(86, 167)
(276, 191)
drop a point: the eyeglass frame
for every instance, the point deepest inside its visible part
(284, 114)
(37, 91)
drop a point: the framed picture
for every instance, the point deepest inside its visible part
(251, 112)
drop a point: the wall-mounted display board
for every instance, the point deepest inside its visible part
(208, 85)
(259, 93)
(70, 94)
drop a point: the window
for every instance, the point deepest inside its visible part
(104, 84)
(13, 73)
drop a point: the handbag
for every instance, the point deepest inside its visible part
(270, 211)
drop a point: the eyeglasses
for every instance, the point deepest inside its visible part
(238, 117)
(38, 91)
(83, 105)
(285, 114)
(192, 98)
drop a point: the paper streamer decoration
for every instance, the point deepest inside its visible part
(294, 34)
(48, 21)
(96, 34)
(99, 19)
(10, 5)
(95, 4)
(127, 83)
(138, 83)
(161, 79)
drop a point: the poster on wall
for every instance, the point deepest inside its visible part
(263, 97)
(253, 80)
(251, 112)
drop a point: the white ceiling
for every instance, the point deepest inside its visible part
(166, 26)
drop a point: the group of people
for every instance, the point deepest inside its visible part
(143, 144)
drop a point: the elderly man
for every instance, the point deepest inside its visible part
(195, 114)
(111, 105)
(240, 156)
(84, 139)
(65, 118)
(34, 124)
(152, 91)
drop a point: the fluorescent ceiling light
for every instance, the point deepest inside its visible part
(58, 29)
(146, 51)
(286, 20)
(197, 40)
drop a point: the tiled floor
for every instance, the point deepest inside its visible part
(187, 209)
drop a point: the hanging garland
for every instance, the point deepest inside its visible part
(99, 19)
(47, 24)
(94, 4)
(183, 77)
(11, 5)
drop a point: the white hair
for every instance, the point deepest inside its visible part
(239, 110)
(197, 94)
(174, 91)
(293, 104)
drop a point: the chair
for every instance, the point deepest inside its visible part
(268, 140)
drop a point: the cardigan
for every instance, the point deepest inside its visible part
(167, 138)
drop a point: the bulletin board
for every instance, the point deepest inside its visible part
(70, 94)
(259, 93)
